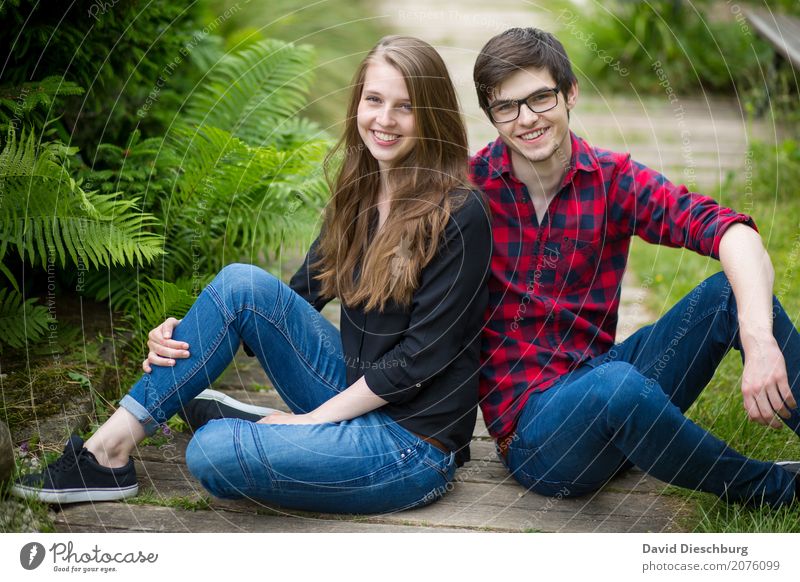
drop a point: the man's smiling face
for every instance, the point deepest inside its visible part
(534, 136)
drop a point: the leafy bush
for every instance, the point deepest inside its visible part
(48, 220)
(694, 52)
(114, 51)
(226, 180)
(218, 194)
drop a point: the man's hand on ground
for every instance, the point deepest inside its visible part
(765, 384)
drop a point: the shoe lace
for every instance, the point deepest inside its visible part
(66, 461)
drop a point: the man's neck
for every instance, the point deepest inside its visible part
(543, 179)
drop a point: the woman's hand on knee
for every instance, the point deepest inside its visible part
(163, 349)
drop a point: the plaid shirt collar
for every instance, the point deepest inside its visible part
(583, 158)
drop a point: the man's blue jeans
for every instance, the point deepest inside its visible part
(369, 464)
(626, 407)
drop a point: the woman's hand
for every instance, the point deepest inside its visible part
(279, 417)
(162, 348)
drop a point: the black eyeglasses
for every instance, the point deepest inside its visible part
(538, 102)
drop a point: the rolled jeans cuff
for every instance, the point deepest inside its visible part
(149, 423)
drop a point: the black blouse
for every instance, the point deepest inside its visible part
(423, 359)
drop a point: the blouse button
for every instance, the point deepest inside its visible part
(402, 455)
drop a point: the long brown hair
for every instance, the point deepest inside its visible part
(426, 186)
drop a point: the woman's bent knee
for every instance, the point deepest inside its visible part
(244, 285)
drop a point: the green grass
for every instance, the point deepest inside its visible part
(23, 515)
(673, 273)
(186, 503)
(724, 518)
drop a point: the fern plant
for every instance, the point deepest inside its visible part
(21, 319)
(253, 92)
(31, 104)
(46, 218)
(224, 183)
(45, 215)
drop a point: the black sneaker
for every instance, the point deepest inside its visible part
(792, 467)
(212, 404)
(76, 476)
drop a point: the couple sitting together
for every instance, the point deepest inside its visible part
(492, 280)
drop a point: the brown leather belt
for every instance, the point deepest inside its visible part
(435, 442)
(502, 446)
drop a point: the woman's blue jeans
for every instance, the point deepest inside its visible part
(626, 407)
(369, 464)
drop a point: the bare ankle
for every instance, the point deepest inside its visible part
(114, 441)
(109, 457)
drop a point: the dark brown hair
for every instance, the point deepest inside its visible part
(516, 49)
(423, 184)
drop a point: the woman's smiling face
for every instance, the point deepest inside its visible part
(385, 118)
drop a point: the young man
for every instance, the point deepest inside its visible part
(569, 408)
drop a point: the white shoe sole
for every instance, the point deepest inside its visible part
(74, 495)
(209, 394)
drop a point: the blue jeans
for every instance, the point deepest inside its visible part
(369, 464)
(627, 407)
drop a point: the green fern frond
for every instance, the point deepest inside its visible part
(203, 152)
(48, 217)
(231, 196)
(26, 97)
(252, 91)
(18, 102)
(21, 319)
(294, 132)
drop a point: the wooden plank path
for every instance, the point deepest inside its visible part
(484, 496)
(782, 31)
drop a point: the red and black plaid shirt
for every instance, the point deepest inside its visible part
(554, 287)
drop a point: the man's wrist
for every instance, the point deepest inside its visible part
(755, 335)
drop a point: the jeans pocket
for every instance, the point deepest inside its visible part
(444, 466)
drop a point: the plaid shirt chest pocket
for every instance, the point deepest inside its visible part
(578, 263)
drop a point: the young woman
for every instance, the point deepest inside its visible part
(383, 411)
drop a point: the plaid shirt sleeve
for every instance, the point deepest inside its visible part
(645, 203)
